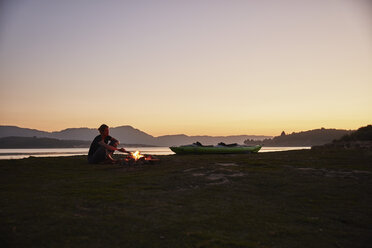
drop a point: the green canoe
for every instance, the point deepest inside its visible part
(214, 149)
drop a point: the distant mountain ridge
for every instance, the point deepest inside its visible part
(6, 131)
(126, 135)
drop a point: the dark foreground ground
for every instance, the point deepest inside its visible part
(284, 199)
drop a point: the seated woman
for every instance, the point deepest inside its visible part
(100, 150)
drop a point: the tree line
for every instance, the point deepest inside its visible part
(306, 138)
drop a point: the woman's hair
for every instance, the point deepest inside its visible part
(102, 128)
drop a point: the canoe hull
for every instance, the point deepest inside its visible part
(214, 149)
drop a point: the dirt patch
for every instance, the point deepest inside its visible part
(215, 176)
(355, 174)
(226, 164)
(220, 178)
(198, 174)
(239, 174)
(361, 172)
(193, 169)
(220, 181)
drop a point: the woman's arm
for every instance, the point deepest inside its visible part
(112, 148)
(115, 140)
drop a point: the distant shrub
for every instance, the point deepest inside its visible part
(344, 138)
(362, 134)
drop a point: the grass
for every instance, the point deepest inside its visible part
(284, 199)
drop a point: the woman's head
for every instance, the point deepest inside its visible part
(102, 129)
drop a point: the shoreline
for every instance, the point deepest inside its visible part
(63, 152)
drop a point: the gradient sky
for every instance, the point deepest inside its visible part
(194, 66)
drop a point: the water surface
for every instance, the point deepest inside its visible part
(57, 152)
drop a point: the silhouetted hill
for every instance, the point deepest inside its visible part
(130, 135)
(169, 140)
(359, 139)
(6, 131)
(307, 138)
(82, 133)
(34, 142)
(126, 135)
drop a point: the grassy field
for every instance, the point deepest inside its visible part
(284, 199)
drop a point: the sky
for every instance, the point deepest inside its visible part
(197, 67)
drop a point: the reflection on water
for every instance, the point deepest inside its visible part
(57, 152)
(282, 149)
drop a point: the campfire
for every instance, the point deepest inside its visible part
(136, 158)
(136, 155)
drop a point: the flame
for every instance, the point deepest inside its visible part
(136, 155)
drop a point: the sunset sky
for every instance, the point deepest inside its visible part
(205, 67)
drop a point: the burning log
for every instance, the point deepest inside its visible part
(136, 158)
